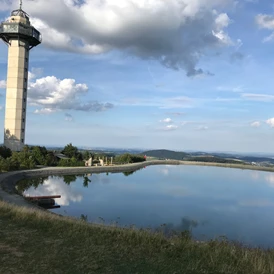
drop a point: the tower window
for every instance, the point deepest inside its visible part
(23, 120)
(25, 80)
(22, 140)
(24, 110)
(24, 100)
(23, 130)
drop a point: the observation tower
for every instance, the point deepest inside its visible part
(20, 36)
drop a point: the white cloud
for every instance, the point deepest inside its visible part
(68, 117)
(270, 179)
(232, 89)
(176, 33)
(176, 102)
(256, 124)
(202, 128)
(265, 21)
(258, 97)
(166, 120)
(270, 122)
(34, 73)
(3, 84)
(162, 103)
(176, 113)
(231, 99)
(5, 5)
(50, 90)
(171, 127)
(53, 94)
(44, 111)
(53, 187)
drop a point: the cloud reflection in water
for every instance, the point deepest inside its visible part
(56, 186)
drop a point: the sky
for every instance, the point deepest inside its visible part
(152, 74)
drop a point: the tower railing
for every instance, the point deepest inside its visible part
(20, 29)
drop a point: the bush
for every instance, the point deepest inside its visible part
(129, 158)
(70, 162)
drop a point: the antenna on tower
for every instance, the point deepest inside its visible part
(20, 4)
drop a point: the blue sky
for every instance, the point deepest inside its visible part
(175, 74)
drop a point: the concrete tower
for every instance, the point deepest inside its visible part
(20, 37)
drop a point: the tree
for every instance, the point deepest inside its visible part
(39, 155)
(5, 152)
(68, 179)
(72, 151)
(127, 173)
(129, 158)
(86, 155)
(50, 159)
(24, 158)
(86, 181)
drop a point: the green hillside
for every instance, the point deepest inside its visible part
(174, 155)
(166, 154)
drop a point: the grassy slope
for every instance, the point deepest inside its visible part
(165, 154)
(39, 242)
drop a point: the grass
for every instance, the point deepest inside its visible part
(33, 241)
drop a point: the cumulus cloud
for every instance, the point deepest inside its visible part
(170, 127)
(270, 122)
(34, 73)
(256, 124)
(53, 94)
(3, 84)
(167, 121)
(265, 21)
(56, 186)
(176, 33)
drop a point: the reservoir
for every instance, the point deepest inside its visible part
(209, 202)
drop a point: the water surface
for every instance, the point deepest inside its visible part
(209, 201)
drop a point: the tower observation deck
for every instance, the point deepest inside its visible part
(21, 37)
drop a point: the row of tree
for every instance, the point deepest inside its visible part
(32, 156)
(128, 159)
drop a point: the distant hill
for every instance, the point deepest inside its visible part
(195, 157)
(256, 159)
(166, 154)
